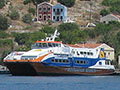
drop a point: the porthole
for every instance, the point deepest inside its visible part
(67, 61)
(56, 60)
(60, 60)
(63, 61)
(52, 60)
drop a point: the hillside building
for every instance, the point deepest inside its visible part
(110, 17)
(47, 11)
(59, 12)
(44, 11)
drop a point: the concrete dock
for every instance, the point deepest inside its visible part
(4, 70)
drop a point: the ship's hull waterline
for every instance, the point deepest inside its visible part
(39, 69)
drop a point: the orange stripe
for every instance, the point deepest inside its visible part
(35, 60)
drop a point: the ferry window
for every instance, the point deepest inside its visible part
(84, 52)
(38, 45)
(78, 53)
(81, 52)
(67, 61)
(77, 61)
(49, 44)
(56, 44)
(88, 53)
(100, 63)
(53, 44)
(63, 60)
(56, 60)
(91, 53)
(59, 45)
(52, 60)
(60, 60)
(107, 62)
(73, 51)
(81, 62)
(44, 44)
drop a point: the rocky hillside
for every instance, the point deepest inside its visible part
(80, 13)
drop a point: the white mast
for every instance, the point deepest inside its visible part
(52, 38)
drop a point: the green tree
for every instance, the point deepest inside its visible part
(27, 18)
(39, 1)
(21, 39)
(32, 11)
(104, 12)
(68, 3)
(27, 1)
(3, 23)
(2, 3)
(14, 15)
(4, 34)
(68, 27)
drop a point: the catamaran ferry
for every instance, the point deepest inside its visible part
(49, 57)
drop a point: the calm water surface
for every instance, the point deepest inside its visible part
(9, 82)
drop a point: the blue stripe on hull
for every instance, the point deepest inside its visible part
(72, 62)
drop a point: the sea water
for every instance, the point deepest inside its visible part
(9, 82)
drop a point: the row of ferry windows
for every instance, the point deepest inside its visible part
(83, 62)
(83, 53)
(59, 61)
(48, 45)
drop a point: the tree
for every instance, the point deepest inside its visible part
(104, 12)
(39, 1)
(32, 11)
(68, 27)
(3, 23)
(27, 1)
(14, 15)
(68, 3)
(21, 39)
(27, 18)
(2, 3)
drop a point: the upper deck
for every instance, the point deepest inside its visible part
(46, 44)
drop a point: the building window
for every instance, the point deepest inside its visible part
(49, 16)
(54, 17)
(48, 8)
(40, 16)
(40, 8)
(57, 9)
(104, 22)
(61, 17)
(44, 8)
(61, 10)
(54, 9)
(109, 53)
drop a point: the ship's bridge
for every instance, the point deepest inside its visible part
(46, 44)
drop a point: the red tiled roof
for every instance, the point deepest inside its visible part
(116, 15)
(88, 45)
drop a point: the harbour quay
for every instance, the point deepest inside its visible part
(4, 70)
